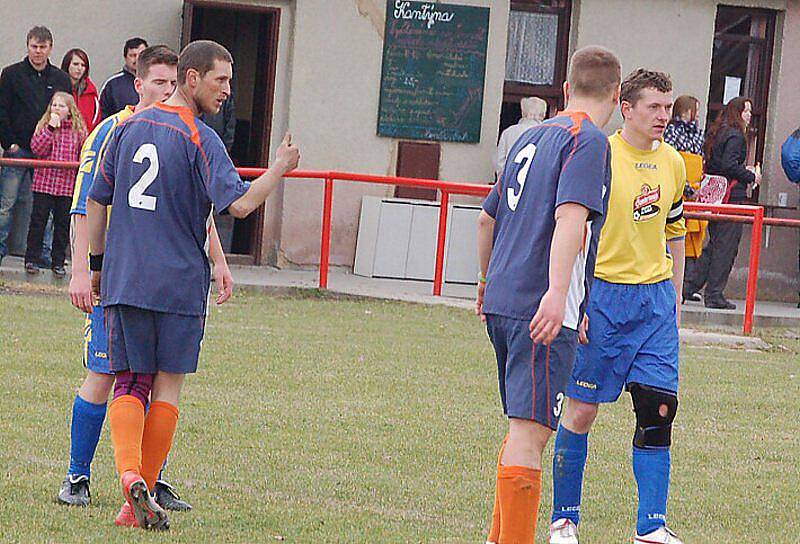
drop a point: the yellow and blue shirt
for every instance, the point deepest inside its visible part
(645, 210)
(92, 156)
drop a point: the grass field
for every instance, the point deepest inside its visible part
(319, 420)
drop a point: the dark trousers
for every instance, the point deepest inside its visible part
(43, 204)
(714, 265)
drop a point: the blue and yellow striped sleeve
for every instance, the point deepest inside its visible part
(91, 158)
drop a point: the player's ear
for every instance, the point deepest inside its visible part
(566, 92)
(137, 84)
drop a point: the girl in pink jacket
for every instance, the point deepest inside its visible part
(58, 136)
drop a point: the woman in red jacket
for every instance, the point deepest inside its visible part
(76, 64)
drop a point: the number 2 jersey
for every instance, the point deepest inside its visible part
(566, 159)
(163, 171)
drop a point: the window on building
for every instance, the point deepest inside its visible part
(536, 55)
(741, 65)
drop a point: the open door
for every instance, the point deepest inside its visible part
(250, 33)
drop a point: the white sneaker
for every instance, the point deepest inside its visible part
(563, 531)
(662, 535)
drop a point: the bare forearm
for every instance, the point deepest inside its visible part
(485, 241)
(677, 248)
(567, 242)
(215, 251)
(258, 192)
(96, 219)
(79, 244)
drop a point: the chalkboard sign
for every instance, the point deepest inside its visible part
(434, 64)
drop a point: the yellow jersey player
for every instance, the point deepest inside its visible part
(633, 315)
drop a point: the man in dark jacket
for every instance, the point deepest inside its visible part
(118, 90)
(223, 122)
(25, 91)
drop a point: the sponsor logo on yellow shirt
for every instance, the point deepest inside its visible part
(644, 205)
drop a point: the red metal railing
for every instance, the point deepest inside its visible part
(707, 212)
(744, 214)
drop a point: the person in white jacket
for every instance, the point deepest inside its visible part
(534, 110)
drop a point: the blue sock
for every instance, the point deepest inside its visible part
(87, 423)
(569, 460)
(651, 468)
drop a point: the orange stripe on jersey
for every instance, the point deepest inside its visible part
(187, 116)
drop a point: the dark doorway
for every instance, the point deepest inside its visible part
(250, 33)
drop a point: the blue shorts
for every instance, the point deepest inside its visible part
(147, 342)
(532, 382)
(633, 338)
(95, 342)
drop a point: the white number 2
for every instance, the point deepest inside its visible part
(525, 155)
(136, 196)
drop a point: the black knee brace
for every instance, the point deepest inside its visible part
(653, 430)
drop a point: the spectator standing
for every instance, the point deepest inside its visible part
(59, 136)
(25, 90)
(534, 110)
(790, 161)
(684, 134)
(118, 90)
(76, 64)
(726, 155)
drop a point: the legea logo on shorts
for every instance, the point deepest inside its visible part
(100, 354)
(586, 385)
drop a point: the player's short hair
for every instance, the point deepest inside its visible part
(153, 55)
(594, 72)
(133, 43)
(533, 107)
(201, 55)
(39, 34)
(641, 79)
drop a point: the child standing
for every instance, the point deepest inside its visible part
(58, 136)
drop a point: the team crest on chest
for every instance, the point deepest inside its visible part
(645, 204)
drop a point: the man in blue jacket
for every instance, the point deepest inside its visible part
(118, 91)
(790, 160)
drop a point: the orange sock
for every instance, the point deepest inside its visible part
(159, 428)
(520, 489)
(494, 532)
(126, 419)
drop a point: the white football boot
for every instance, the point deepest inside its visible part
(662, 535)
(563, 531)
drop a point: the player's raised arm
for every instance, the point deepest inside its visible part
(286, 160)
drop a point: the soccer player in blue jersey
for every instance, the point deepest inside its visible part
(165, 172)
(633, 315)
(155, 81)
(537, 240)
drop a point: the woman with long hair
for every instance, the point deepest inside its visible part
(58, 136)
(684, 134)
(76, 64)
(683, 131)
(726, 155)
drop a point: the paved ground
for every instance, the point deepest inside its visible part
(767, 314)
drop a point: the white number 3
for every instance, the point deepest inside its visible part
(136, 196)
(526, 155)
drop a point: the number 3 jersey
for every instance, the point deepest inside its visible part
(163, 171)
(563, 160)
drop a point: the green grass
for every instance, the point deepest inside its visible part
(322, 420)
